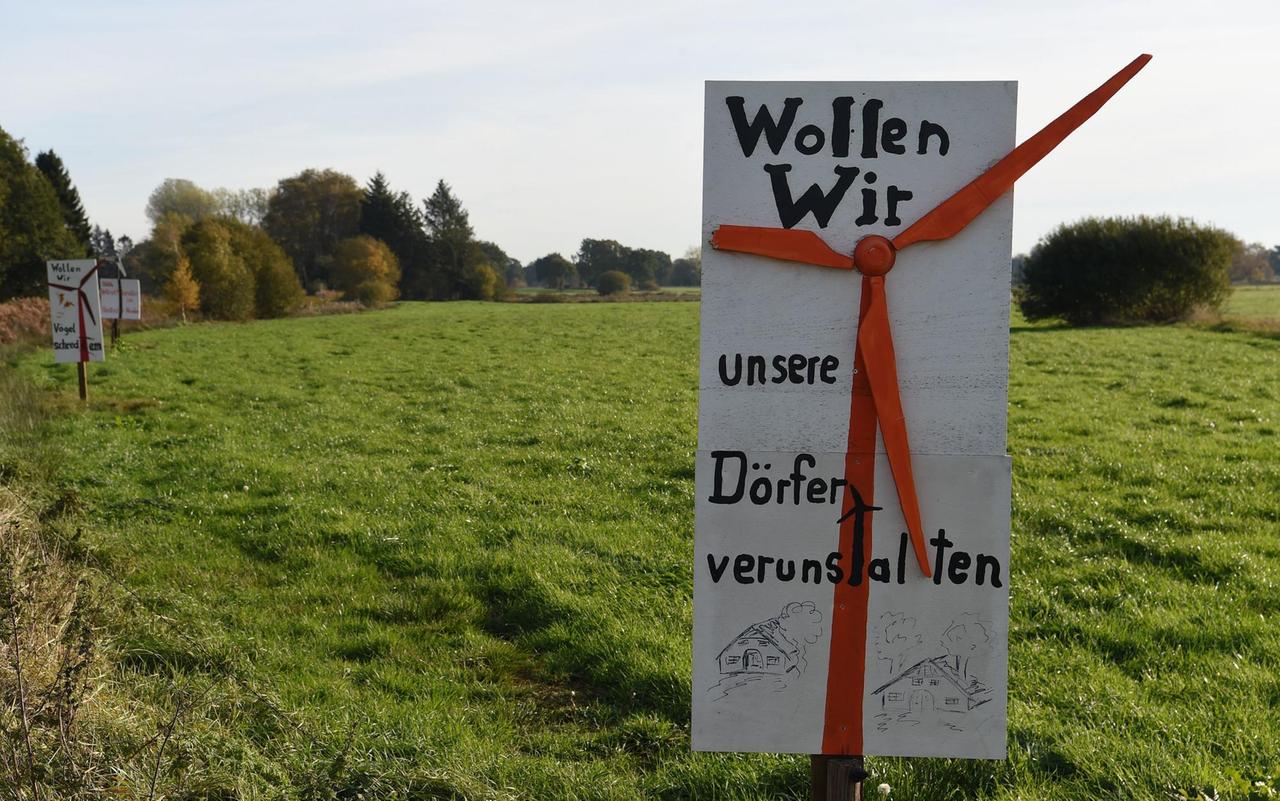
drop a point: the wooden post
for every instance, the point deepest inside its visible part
(836, 778)
(82, 373)
(115, 331)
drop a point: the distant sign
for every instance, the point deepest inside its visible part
(75, 310)
(815, 628)
(130, 299)
(121, 299)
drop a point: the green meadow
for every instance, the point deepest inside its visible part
(1253, 303)
(445, 551)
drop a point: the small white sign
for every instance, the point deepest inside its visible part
(75, 310)
(109, 288)
(130, 299)
(121, 299)
(815, 629)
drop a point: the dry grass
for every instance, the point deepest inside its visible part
(23, 320)
(47, 650)
(101, 696)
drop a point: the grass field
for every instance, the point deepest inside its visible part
(1253, 302)
(454, 541)
(580, 295)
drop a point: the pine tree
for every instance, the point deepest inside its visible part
(377, 208)
(454, 250)
(51, 166)
(395, 219)
(101, 243)
(445, 216)
(182, 289)
(31, 225)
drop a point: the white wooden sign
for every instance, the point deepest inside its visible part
(130, 299)
(121, 299)
(75, 310)
(815, 630)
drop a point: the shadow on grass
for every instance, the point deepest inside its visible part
(1266, 328)
(1031, 328)
(571, 650)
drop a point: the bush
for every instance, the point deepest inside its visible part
(372, 293)
(227, 286)
(482, 282)
(277, 290)
(1118, 269)
(613, 282)
(360, 262)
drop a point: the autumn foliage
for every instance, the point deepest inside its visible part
(366, 270)
(24, 320)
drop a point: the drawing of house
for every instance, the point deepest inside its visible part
(760, 648)
(933, 684)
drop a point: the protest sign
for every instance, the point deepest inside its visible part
(75, 310)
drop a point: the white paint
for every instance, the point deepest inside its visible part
(70, 293)
(949, 312)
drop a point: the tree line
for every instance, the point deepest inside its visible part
(255, 252)
(237, 254)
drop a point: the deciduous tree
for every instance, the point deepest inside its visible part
(248, 206)
(1251, 265)
(277, 290)
(180, 196)
(687, 270)
(554, 270)
(509, 269)
(181, 289)
(598, 256)
(309, 214)
(227, 287)
(153, 260)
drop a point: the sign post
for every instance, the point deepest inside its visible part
(75, 315)
(853, 492)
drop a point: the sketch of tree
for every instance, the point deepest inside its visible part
(800, 624)
(967, 637)
(897, 641)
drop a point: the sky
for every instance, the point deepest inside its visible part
(554, 121)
